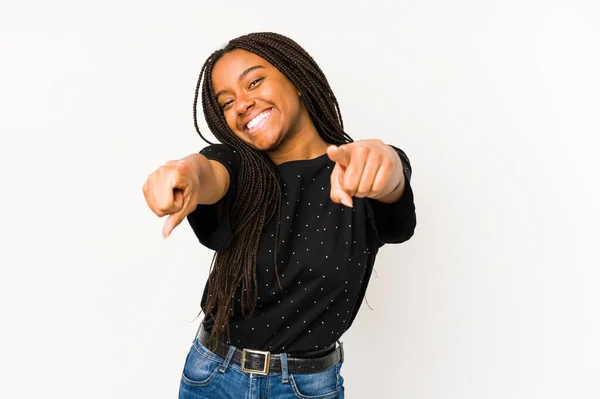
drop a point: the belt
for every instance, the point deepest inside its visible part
(262, 362)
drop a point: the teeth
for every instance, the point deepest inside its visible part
(257, 119)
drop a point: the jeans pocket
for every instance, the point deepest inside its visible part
(323, 385)
(200, 368)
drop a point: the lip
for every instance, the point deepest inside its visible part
(252, 116)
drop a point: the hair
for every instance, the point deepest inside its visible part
(258, 198)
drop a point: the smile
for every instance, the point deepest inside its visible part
(258, 121)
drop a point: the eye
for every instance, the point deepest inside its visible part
(255, 82)
(226, 104)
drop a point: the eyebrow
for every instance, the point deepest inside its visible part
(242, 76)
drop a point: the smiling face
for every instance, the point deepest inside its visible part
(262, 107)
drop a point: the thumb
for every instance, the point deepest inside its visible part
(339, 154)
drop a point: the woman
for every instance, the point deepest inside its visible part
(296, 212)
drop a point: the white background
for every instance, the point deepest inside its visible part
(496, 103)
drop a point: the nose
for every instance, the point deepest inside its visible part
(243, 103)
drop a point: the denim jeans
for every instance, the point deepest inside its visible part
(207, 375)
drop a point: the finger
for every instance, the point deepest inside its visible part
(153, 200)
(353, 173)
(337, 194)
(178, 199)
(174, 219)
(335, 183)
(171, 200)
(381, 181)
(339, 154)
(168, 201)
(368, 177)
(180, 177)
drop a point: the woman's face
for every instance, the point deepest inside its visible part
(261, 106)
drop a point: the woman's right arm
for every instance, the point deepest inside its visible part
(214, 178)
(176, 188)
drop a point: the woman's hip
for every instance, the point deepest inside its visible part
(240, 373)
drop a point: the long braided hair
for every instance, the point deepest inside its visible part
(258, 196)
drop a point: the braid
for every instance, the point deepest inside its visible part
(233, 269)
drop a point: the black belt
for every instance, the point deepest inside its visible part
(261, 362)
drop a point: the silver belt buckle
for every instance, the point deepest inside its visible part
(265, 369)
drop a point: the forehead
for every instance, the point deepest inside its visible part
(230, 66)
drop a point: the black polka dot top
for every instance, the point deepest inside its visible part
(325, 254)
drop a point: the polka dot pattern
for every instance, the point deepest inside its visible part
(325, 255)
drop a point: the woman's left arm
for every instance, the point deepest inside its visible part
(382, 173)
(366, 169)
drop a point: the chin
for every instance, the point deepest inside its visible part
(268, 142)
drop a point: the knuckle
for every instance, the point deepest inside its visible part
(182, 166)
(181, 173)
(350, 191)
(361, 151)
(377, 188)
(386, 161)
(164, 206)
(362, 192)
(161, 211)
(347, 185)
(386, 165)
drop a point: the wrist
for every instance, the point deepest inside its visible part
(198, 163)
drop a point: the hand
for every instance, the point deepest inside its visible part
(364, 168)
(173, 190)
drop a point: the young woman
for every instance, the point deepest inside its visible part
(295, 211)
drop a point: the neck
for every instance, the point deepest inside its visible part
(305, 143)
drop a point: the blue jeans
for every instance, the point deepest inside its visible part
(206, 375)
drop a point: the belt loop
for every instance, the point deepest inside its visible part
(341, 344)
(284, 367)
(225, 364)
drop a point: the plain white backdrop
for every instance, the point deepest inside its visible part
(496, 103)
